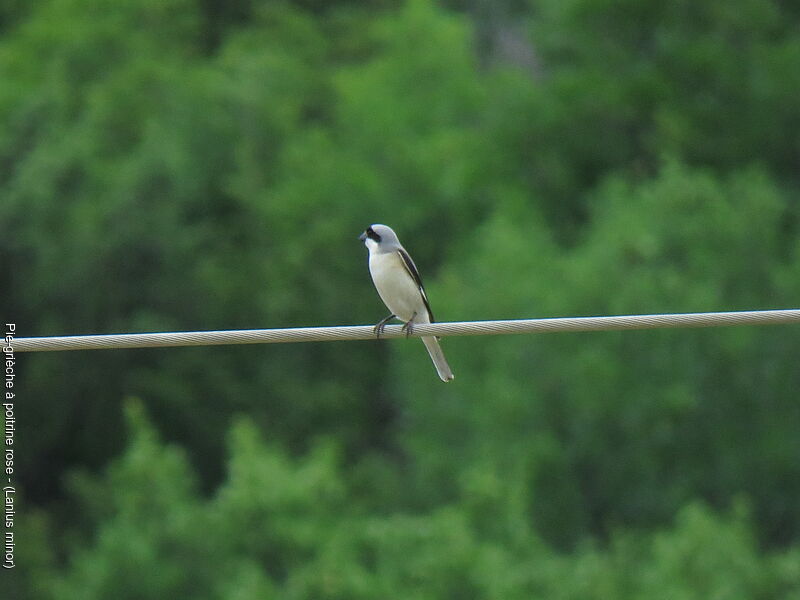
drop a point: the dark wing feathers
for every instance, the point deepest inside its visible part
(412, 270)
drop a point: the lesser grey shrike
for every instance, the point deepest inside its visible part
(399, 285)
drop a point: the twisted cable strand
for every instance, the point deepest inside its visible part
(365, 332)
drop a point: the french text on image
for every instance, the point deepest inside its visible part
(9, 491)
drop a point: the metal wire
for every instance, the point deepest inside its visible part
(365, 332)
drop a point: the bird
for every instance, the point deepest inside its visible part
(400, 287)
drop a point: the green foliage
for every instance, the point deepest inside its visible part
(153, 521)
(642, 433)
(626, 82)
(179, 165)
(281, 527)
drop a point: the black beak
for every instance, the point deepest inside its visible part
(362, 237)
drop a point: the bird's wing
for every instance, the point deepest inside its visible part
(412, 270)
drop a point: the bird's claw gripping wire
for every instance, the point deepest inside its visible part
(381, 325)
(409, 326)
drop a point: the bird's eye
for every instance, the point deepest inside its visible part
(372, 235)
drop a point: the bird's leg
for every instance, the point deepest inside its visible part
(409, 326)
(378, 329)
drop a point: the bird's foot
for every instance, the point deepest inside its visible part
(378, 329)
(409, 326)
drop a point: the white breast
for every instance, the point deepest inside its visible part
(396, 287)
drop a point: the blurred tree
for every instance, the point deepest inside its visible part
(14, 11)
(602, 429)
(193, 165)
(283, 528)
(151, 188)
(625, 82)
(221, 15)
